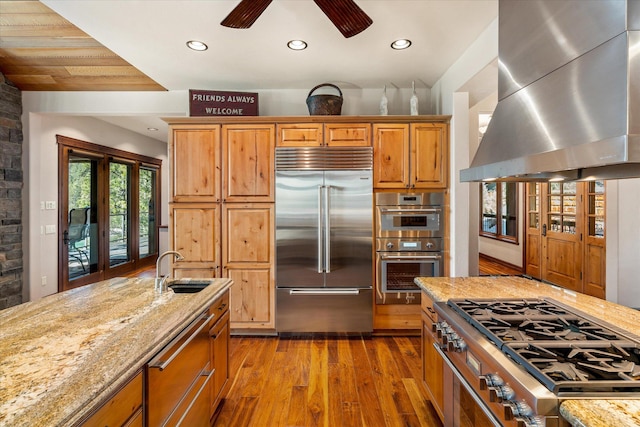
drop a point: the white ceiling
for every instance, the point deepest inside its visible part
(151, 35)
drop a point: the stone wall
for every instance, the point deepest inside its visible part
(11, 259)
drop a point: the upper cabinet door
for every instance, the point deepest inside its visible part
(429, 155)
(391, 155)
(300, 135)
(195, 163)
(248, 152)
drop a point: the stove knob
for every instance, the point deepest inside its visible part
(493, 380)
(531, 422)
(458, 345)
(439, 328)
(501, 393)
(505, 393)
(429, 245)
(389, 245)
(520, 410)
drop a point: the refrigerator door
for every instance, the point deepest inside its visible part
(349, 228)
(298, 237)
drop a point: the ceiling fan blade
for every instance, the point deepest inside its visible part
(345, 15)
(245, 13)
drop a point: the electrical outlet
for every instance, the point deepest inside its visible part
(50, 204)
(44, 280)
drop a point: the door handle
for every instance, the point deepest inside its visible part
(544, 230)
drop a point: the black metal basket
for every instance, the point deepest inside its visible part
(324, 105)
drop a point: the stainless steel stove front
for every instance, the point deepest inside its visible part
(501, 392)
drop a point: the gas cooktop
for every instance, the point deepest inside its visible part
(563, 348)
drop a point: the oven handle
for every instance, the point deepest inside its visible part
(385, 256)
(410, 211)
(467, 386)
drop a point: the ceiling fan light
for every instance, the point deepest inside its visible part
(401, 44)
(297, 45)
(197, 45)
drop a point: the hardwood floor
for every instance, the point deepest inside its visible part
(326, 381)
(491, 267)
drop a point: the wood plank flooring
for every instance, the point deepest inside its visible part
(318, 380)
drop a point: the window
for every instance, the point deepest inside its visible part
(109, 202)
(499, 210)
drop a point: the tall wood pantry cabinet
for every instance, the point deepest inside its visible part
(222, 192)
(222, 213)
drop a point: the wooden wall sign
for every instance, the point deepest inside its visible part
(217, 103)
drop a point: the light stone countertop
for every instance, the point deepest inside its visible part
(580, 413)
(63, 354)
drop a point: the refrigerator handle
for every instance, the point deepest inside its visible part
(327, 228)
(320, 235)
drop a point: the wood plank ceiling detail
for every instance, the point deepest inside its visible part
(42, 51)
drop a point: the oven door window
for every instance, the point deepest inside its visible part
(398, 274)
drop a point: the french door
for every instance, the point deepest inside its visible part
(565, 240)
(108, 212)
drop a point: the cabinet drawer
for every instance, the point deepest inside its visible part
(120, 407)
(348, 135)
(193, 410)
(173, 372)
(297, 135)
(219, 307)
(427, 307)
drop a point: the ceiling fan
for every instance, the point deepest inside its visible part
(345, 15)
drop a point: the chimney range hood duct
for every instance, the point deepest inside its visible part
(568, 90)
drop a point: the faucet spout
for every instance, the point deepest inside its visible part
(160, 280)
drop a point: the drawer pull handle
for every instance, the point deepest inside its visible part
(156, 363)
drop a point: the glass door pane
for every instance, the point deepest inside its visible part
(147, 212)
(119, 213)
(80, 236)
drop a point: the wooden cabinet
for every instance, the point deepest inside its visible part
(300, 135)
(411, 156)
(178, 378)
(219, 340)
(248, 259)
(223, 193)
(390, 155)
(248, 153)
(195, 233)
(124, 408)
(195, 163)
(432, 363)
(329, 134)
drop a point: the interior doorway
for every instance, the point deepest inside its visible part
(565, 235)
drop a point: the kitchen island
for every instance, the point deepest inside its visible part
(62, 356)
(587, 413)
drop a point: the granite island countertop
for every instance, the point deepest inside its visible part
(582, 413)
(64, 354)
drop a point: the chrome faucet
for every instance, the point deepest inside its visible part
(160, 281)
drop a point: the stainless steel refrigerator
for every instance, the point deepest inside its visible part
(324, 240)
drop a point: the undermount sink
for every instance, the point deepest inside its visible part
(188, 286)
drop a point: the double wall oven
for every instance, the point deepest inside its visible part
(409, 243)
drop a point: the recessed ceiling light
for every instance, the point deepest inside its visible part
(401, 44)
(196, 45)
(297, 45)
(152, 129)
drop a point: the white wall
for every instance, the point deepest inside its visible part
(451, 95)
(41, 184)
(509, 252)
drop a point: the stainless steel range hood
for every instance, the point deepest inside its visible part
(568, 90)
